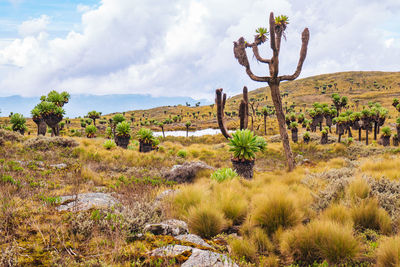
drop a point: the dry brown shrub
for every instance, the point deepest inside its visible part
(47, 143)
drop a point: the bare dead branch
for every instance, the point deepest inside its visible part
(303, 53)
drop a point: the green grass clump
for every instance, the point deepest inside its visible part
(109, 144)
(388, 254)
(223, 174)
(358, 189)
(319, 241)
(182, 153)
(368, 215)
(187, 198)
(205, 221)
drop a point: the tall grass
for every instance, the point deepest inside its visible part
(338, 213)
(275, 210)
(243, 249)
(186, 198)
(320, 240)
(205, 221)
(388, 254)
(358, 189)
(368, 215)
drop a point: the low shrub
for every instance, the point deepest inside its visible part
(388, 254)
(7, 135)
(205, 221)
(319, 241)
(368, 215)
(46, 143)
(223, 174)
(274, 211)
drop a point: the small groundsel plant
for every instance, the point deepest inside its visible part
(18, 122)
(386, 131)
(90, 131)
(223, 174)
(145, 135)
(244, 145)
(181, 153)
(109, 144)
(123, 129)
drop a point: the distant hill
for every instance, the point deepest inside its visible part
(79, 105)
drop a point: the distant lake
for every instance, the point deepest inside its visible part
(191, 133)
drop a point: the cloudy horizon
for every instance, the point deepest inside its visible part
(183, 47)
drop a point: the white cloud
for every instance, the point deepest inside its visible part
(34, 26)
(184, 47)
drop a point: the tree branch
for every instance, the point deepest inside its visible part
(257, 78)
(303, 53)
(257, 55)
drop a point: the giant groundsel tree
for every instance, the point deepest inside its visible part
(277, 31)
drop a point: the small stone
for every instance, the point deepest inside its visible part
(170, 251)
(205, 258)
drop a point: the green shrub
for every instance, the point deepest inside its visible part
(368, 215)
(118, 118)
(181, 153)
(91, 131)
(319, 241)
(123, 129)
(205, 221)
(223, 174)
(388, 254)
(109, 144)
(274, 211)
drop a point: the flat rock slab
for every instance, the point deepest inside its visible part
(168, 227)
(199, 258)
(86, 201)
(195, 239)
(59, 166)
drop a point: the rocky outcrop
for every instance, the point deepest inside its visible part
(186, 172)
(198, 257)
(83, 202)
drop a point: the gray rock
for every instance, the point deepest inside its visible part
(169, 227)
(85, 201)
(186, 172)
(59, 166)
(199, 258)
(170, 251)
(205, 258)
(195, 239)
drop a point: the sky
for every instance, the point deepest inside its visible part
(182, 47)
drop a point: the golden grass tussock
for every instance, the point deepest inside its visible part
(243, 249)
(261, 240)
(186, 198)
(386, 166)
(320, 240)
(338, 213)
(275, 210)
(205, 220)
(358, 189)
(368, 215)
(229, 197)
(388, 253)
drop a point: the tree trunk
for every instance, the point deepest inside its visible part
(359, 134)
(366, 136)
(163, 134)
(276, 98)
(375, 129)
(265, 125)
